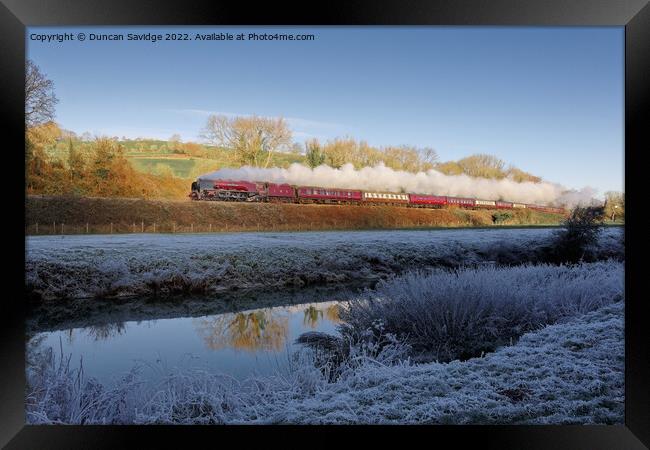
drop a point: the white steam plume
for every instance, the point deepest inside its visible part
(382, 178)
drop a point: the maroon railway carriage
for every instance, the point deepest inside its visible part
(430, 201)
(313, 194)
(280, 192)
(503, 205)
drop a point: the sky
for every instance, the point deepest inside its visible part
(549, 100)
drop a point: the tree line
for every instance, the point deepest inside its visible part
(99, 167)
(253, 141)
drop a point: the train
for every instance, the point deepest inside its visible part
(263, 191)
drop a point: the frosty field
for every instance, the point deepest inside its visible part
(128, 265)
(451, 327)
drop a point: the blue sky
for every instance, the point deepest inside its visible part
(548, 100)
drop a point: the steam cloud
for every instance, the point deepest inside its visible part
(382, 178)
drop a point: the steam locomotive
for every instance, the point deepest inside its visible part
(247, 191)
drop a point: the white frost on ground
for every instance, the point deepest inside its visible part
(145, 264)
(569, 373)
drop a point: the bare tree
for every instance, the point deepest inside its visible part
(428, 158)
(254, 139)
(39, 96)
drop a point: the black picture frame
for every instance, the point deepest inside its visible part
(15, 15)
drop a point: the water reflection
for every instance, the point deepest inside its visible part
(251, 331)
(101, 332)
(312, 315)
(105, 331)
(332, 313)
(236, 343)
(263, 329)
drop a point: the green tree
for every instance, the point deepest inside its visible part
(76, 162)
(314, 153)
(105, 152)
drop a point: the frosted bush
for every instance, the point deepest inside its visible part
(444, 315)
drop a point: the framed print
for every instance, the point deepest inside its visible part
(420, 218)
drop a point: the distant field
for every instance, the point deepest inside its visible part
(186, 166)
(185, 160)
(181, 166)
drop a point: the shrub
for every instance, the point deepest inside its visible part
(501, 216)
(445, 315)
(579, 232)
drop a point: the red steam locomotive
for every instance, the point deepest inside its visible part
(261, 191)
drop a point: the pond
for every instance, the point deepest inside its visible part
(240, 344)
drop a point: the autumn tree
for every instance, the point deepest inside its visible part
(174, 143)
(339, 151)
(482, 165)
(449, 168)
(614, 205)
(402, 158)
(38, 140)
(365, 155)
(253, 139)
(39, 96)
(520, 176)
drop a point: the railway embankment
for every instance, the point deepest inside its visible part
(81, 215)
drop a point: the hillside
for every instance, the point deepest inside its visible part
(100, 215)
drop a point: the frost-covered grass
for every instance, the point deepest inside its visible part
(450, 314)
(123, 265)
(567, 373)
